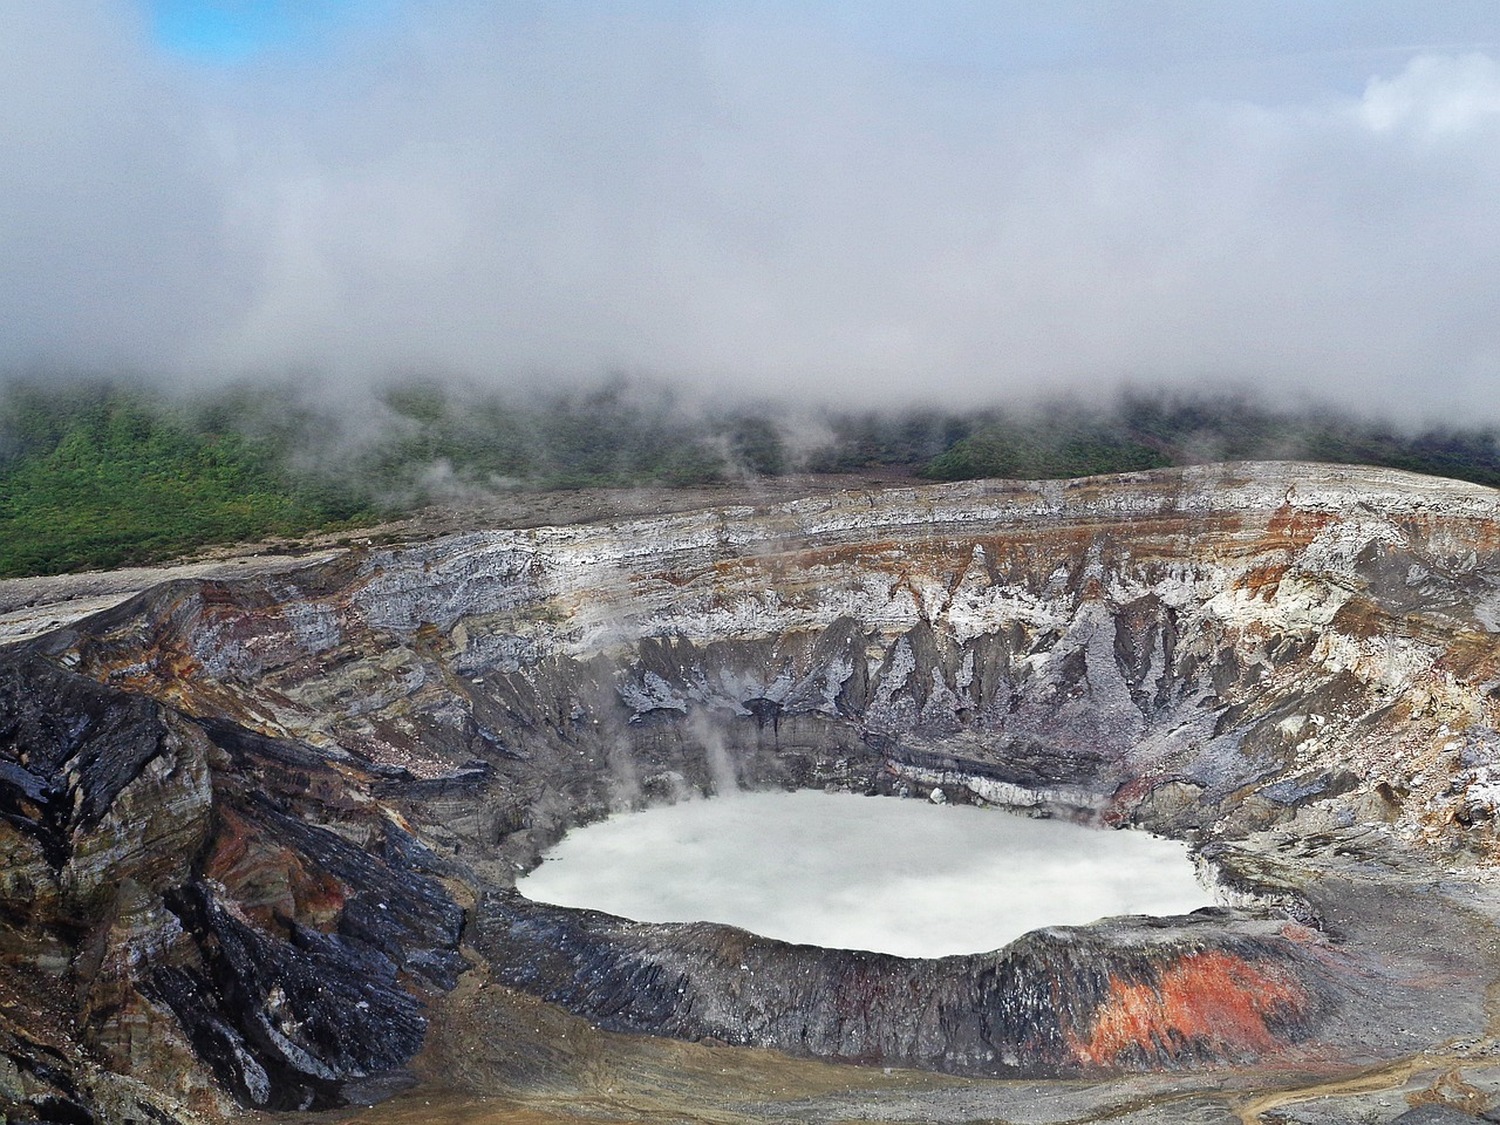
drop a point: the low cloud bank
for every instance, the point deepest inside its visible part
(782, 205)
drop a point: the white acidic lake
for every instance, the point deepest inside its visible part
(851, 872)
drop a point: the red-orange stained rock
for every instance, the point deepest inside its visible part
(1298, 525)
(1262, 581)
(268, 880)
(1212, 999)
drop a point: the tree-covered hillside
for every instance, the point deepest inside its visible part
(100, 474)
(103, 476)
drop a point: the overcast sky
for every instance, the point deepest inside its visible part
(852, 201)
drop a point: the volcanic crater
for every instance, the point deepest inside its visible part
(259, 838)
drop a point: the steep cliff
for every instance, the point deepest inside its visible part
(251, 830)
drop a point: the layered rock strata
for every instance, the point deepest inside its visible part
(250, 830)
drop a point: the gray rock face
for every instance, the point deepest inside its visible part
(246, 827)
(1033, 1008)
(163, 872)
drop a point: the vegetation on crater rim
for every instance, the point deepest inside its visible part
(101, 473)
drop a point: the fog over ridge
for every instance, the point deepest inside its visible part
(788, 204)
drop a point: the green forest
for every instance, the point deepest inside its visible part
(100, 473)
(103, 476)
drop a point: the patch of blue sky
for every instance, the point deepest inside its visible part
(229, 32)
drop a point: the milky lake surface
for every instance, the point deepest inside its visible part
(851, 872)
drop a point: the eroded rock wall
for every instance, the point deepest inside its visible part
(245, 824)
(175, 912)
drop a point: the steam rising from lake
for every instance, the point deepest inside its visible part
(851, 872)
